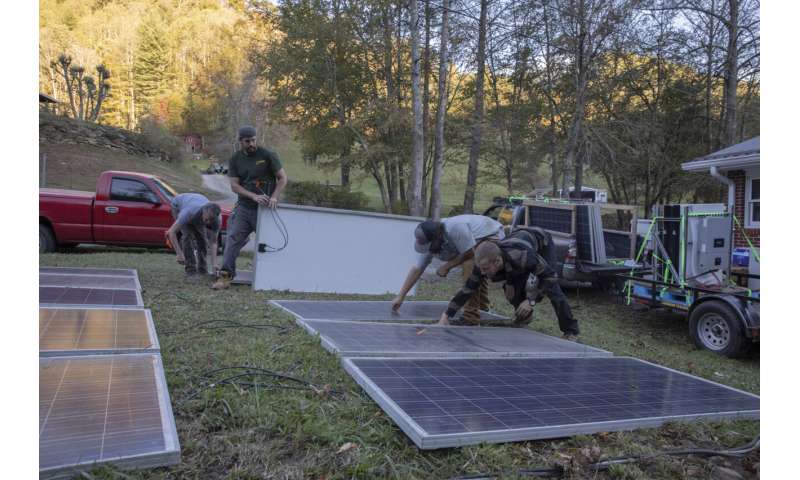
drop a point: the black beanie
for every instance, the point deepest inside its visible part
(246, 131)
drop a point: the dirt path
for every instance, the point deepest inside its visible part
(219, 184)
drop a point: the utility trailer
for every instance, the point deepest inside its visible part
(593, 241)
(690, 271)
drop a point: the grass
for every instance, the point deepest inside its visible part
(233, 432)
(77, 167)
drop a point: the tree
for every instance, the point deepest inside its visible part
(151, 63)
(477, 117)
(85, 94)
(417, 145)
(441, 106)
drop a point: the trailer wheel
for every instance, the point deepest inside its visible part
(715, 326)
(47, 241)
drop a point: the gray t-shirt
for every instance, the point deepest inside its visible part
(461, 233)
(185, 208)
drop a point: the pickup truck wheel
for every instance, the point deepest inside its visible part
(47, 241)
(715, 326)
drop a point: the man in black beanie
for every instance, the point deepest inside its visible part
(258, 178)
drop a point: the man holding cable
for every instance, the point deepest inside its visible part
(258, 178)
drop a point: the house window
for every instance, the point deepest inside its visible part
(753, 202)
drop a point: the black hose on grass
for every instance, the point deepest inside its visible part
(555, 472)
(255, 372)
(228, 324)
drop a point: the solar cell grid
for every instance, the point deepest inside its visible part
(55, 296)
(95, 409)
(75, 331)
(449, 402)
(407, 340)
(583, 234)
(552, 218)
(374, 311)
(89, 281)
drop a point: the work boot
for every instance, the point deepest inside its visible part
(223, 281)
(570, 337)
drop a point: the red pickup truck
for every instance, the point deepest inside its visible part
(128, 209)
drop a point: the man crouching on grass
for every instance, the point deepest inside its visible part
(198, 220)
(527, 276)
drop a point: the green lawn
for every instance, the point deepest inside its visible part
(238, 432)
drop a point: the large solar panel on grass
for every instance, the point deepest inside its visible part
(451, 402)
(88, 281)
(81, 331)
(371, 311)
(104, 408)
(356, 339)
(88, 297)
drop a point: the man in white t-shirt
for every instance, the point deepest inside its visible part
(453, 241)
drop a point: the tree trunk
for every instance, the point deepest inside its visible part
(415, 180)
(732, 77)
(475, 144)
(438, 154)
(426, 67)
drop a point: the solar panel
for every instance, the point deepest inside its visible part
(88, 297)
(118, 272)
(81, 331)
(451, 402)
(375, 311)
(551, 218)
(88, 281)
(583, 234)
(404, 340)
(104, 408)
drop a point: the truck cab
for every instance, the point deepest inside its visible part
(127, 209)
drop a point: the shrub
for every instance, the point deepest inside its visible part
(159, 139)
(321, 195)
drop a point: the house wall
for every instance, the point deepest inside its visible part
(739, 178)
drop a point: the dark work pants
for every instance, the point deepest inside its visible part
(195, 247)
(241, 224)
(548, 285)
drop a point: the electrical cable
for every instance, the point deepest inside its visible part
(254, 372)
(740, 451)
(281, 226)
(229, 324)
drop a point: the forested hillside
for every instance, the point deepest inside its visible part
(427, 103)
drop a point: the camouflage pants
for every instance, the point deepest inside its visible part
(479, 300)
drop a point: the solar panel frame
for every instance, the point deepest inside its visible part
(113, 272)
(441, 306)
(170, 455)
(154, 347)
(136, 293)
(423, 440)
(116, 282)
(559, 348)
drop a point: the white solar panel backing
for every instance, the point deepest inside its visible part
(104, 408)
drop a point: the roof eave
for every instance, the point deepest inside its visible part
(744, 161)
